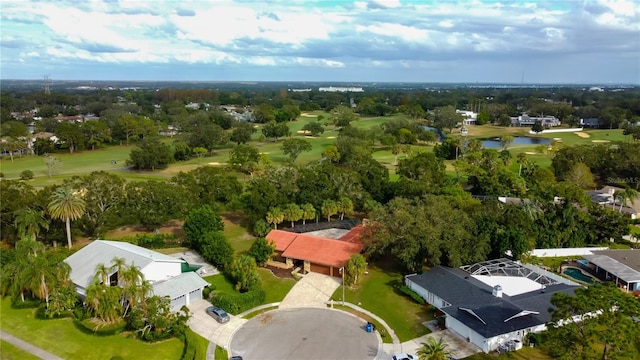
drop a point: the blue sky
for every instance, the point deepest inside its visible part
(581, 41)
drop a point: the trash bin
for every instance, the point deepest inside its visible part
(369, 327)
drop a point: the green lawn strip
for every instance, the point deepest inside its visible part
(220, 353)
(383, 331)
(526, 353)
(220, 283)
(376, 293)
(199, 343)
(275, 287)
(253, 314)
(9, 351)
(61, 337)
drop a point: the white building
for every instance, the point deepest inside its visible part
(470, 117)
(491, 303)
(164, 272)
(341, 89)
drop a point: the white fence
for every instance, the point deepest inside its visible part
(562, 252)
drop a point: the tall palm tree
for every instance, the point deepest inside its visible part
(66, 204)
(629, 195)
(29, 222)
(275, 217)
(433, 350)
(102, 274)
(308, 213)
(119, 265)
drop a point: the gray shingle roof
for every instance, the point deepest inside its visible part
(466, 295)
(179, 285)
(84, 262)
(624, 264)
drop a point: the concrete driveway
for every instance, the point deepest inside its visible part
(310, 334)
(312, 291)
(209, 328)
(456, 344)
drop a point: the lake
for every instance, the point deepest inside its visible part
(518, 140)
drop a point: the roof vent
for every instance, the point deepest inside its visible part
(497, 291)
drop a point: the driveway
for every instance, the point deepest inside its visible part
(310, 334)
(312, 291)
(460, 348)
(210, 329)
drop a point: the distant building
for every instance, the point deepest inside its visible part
(606, 197)
(590, 123)
(341, 89)
(300, 90)
(470, 117)
(526, 120)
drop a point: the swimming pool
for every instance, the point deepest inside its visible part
(579, 275)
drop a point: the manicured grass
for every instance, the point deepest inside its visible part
(10, 352)
(61, 337)
(201, 344)
(376, 293)
(526, 353)
(221, 354)
(275, 287)
(236, 233)
(381, 329)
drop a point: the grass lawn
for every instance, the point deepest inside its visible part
(275, 287)
(62, 338)
(526, 353)
(381, 329)
(10, 352)
(221, 354)
(376, 293)
(236, 233)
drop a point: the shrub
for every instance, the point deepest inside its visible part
(26, 175)
(412, 294)
(153, 241)
(26, 304)
(91, 326)
(236, 303)
(261, 250)
(261, 228)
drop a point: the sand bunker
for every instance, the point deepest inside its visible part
(264, 153)
(583, 135)
(600, 141)
(303, 132)
(310, 137)
(530, 153)
(331, 137)
(215, 163)
(308, 115)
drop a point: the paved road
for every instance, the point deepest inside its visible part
(310, 334)
(28, 347)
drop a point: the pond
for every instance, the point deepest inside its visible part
(518, 140)
(579, 275)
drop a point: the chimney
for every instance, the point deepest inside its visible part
(497, 291)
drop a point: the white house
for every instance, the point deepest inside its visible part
(470, 117)
(492, 303)
(164, 272)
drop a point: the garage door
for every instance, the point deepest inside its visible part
(195, 295)
(178, 302)
(321, 269)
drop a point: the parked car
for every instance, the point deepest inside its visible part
(237, 357)
(220, 315)
(404, 356)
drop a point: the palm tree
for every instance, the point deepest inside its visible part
(102, 274)
(66, 204)
(628, 195)
(329, 208)
(433, 350)
(119, 265)
(275, 217)
(30, 222)
(345, 207)
(308, 213)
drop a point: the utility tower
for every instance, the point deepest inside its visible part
(47, 82)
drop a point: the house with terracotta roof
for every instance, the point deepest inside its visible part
(314, 253)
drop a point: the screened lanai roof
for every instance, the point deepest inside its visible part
(506, 267)
(614, 267)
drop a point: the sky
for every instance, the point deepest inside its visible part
(508, 41)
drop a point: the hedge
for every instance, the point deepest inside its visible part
(412, 294)
(238, 302)
(90, 327)
(153, 241)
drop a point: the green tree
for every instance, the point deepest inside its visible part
(580, 175)
(216, 249)
(96, 133)
(505, 141)
(151, 154)
(329, 208)
(537, 127)
(331, 153)
(275, 130)
(208, 136)
(433, 350)
(342, 116)
(51, 162)
(242, 132)
(262, 250)
(244, 273)
(244, 158)
(275, 216)
(294, 147)
(308, 213)
(70, 136)
(345, 207)
(66, 204)
(292, 212)
(29, 223)
(199, 222)
(446, 117)
(128, 124)
(355, 268)
(577, 323)
(314, 128)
